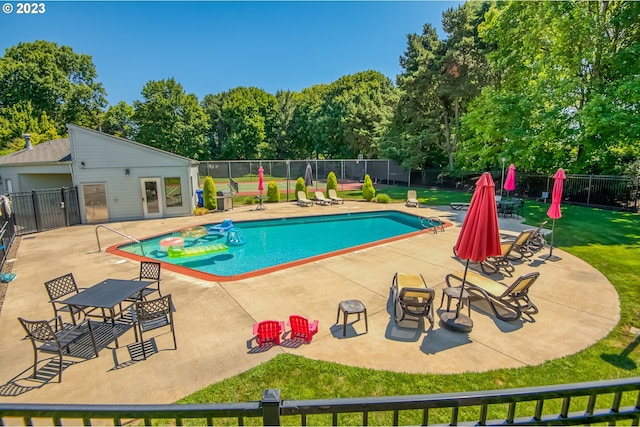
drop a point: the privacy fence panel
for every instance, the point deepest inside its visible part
(41, 210)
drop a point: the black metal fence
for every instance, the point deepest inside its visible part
(7, 229)
(41, 210)
(605, 402)
(613, 192)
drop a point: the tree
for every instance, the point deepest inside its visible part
(54, 80)
(209, 193)
(355, 112)
(171, 120)
(301, 186)
(249, 115)
(566, 87)
(439, 80)
(218, 131)
(19, 119)
(332, 182)
(273, 192)
(368, 192)
(118, 121)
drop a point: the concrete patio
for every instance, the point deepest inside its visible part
(578, 306)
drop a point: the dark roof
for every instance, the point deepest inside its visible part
(57, 150)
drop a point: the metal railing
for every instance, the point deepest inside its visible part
(606, 401)
(121, 234)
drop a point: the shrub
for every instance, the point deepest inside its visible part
(209, 193)
(368, 192)
(249, 200)
(383, 198)
(300, 186)
(273, 192)
(200, 211)
(332, 182)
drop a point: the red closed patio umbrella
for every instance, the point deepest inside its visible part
(554, 210)
(260, 186)
(479, 239)
(510, 182)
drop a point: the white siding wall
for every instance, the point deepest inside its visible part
(34, 177)
(106, 160)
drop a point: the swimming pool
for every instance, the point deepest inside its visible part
(274, 244)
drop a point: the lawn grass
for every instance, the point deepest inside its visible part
(608, 240)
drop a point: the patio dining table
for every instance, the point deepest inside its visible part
(106, 295)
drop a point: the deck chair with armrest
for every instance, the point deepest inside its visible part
(412, 199)
(537, 240)
(301, 327)
(61, 288)
(321, 199)
(507, 302)
(268, 331)
(302, 199)
(411, 297)
(334, 196)
(520, 247)
(494, 264)
(54, 336)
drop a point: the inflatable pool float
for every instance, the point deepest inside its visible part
(235, 237)
(226, 225)
(194, 232)
(180, 251)
(176, 242)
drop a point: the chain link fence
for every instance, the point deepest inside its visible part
(241, 176)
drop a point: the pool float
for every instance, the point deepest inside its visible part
(171, 241)
(194, 232)
(180, 251)
(235, 237)
(226, 225)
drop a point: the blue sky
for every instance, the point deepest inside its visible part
(213, 46)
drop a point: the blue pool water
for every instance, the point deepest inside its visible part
(273, 242)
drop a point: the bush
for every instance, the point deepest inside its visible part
(200, 211)
(300, 186)
(249, 200)
(209, 193)
(332, 182)
(383, 198)
(273, 192)
(368, 192)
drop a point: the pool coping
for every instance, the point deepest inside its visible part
(200, 275)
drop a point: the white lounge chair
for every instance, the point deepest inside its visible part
(412, 198)
(334, 196)
(302, 199)
(321, 199)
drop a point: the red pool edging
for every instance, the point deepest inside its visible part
(113, 249)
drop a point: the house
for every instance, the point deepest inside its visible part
(117, 179)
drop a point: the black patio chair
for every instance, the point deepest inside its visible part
(153, 314)
(148, 271)
(48, 339)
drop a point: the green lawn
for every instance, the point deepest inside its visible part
(608, 240)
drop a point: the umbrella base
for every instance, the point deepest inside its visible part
(460, 323)
(550, 257)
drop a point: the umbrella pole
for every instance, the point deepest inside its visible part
(552, 257)
(457, 321)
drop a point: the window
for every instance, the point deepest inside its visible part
(173, 191)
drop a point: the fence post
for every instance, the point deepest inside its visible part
(589, 190)
(271, 407)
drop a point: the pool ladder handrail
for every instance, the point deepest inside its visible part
(433, 220)
(121, 234)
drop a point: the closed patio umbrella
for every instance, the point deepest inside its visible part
(554, 210)
(479, 239)
(308, 176)
(510, 182)
(260, 186)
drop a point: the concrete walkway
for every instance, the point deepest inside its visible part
(578, 306)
